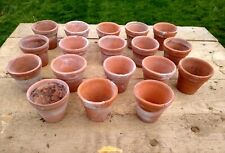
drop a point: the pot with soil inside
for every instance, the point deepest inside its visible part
(107, 28)
(97, 96)
(49, 29)
(69, 68)
(36, 44)
(25, 70)
(50, 98)
(193, 73)
(76, 28)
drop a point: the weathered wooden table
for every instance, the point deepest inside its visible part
(193, 123)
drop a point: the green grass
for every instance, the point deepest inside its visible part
(210, 14)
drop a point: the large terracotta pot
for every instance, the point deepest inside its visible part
(107, 28)
(77, 28)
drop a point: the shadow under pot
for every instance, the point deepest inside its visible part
(163, 30)
(76, 28)
(36, 44)
(74, 45)
(50, 98)
(25, 70)
(193, 73)
(134, 29)
(152, 98)
(49, 29)
(69, 68)
(119, 69)
(176, 48)
(107, 28)
(97, 96)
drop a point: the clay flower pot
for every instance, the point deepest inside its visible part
(107, 28)
(158, 68)
(142, 47)
(163, 30)
(25, 70)
(119, 69)
(134, 29)
(111, 46)
(176, 48)
(36, 44)
(78, 28)
(74, 45)
(69, 68)
(193, 73)
(152, 98)
(49, 29)
(50, 98)
(97, 96)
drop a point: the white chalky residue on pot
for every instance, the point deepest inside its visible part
(25, 84)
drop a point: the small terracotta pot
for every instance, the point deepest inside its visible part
(51, 112)
(119, 69)
(134, 29)
(142, 47)
(25, 70)
(107, 28)
(158, 68)
(193, 73)
(49, 29)
(163, 30)
(176, 48)
(74, 45)
(36, 44)
(153, 96)
(78, 28)
(111, 46)
(97, 96)
(69, 68)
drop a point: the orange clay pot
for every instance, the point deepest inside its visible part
(36, 44)
(158, 68)
(69, 68)
(74, 45)
(78, 28)
(107, 28)
(52, 112)
(25, 70)
(111, 46)
(49, 29)
(176, 48)
(134, 29)
(163, 30)
(119, 69)
(97, 96)
(193, 73)
(152, 97)
(142, 47)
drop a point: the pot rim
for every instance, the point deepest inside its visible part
(144, 49)
(45, 31)
(137, 22)
(108, 33)
(115, 37)
(123, 57)
(69, 55)
(35, 57)
(183, 41)
(35, 85)
(78, 32)
(167, 23)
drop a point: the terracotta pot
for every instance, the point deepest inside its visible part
(158, 68)
(97, 103)
(49, 29)
(74, 45)
(142, 47)
(153, 96)
(163, 30)
(107, 28)
(50, 98)
(119, 69)
(193, 73)
(111, 46)
(134, 29)
(36, 44)
(78, 28)
(176, 48)
(69, 68)
(25, 70)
